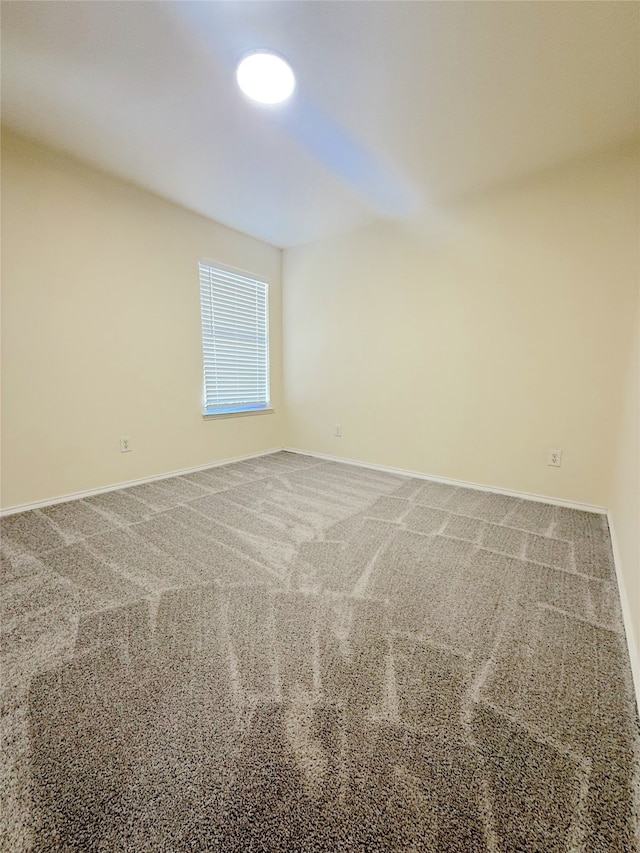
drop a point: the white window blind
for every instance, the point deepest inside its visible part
(235, 341)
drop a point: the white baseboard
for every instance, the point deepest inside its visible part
(12, 510)
(632, 644)
(467, 485)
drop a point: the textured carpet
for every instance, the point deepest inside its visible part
(286, 654)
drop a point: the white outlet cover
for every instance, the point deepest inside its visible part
(554, 458)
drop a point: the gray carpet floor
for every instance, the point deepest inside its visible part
(286, 654)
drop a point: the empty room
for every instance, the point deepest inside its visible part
(320, 496)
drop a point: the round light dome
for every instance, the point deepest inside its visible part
(265, 77)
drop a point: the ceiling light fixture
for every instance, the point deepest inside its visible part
(265, 77)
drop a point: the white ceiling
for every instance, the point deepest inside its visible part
(400, 107)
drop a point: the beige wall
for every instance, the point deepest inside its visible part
(470, 347)
(624, 503)
(101, 331)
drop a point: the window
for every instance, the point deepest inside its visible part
(235, 341)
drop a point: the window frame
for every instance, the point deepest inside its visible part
(237, 279)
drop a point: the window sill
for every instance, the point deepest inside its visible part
(241, 414)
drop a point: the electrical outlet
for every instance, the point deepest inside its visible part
(554, 458)
(125, 444)
(338, 431)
